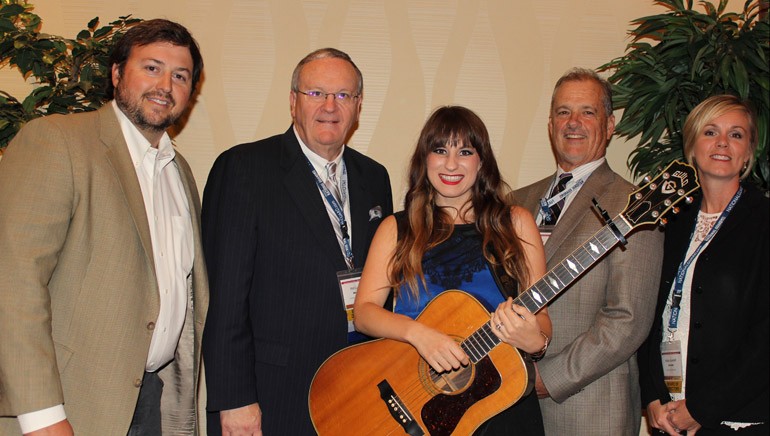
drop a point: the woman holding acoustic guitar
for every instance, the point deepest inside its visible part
(703, 367)
(456, 232)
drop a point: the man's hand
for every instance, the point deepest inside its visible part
(542, 391)
(243, 421)
(61, 428)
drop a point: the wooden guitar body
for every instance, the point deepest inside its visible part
(384, 387)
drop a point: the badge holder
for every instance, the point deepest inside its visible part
(671, 355)
(348, 282)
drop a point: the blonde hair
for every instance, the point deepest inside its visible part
(714, 107)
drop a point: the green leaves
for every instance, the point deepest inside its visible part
(70, 75)
(678, 58)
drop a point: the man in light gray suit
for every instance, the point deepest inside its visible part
(588, 380)
(103, 286)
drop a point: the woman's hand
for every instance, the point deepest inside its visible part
(438, 349)
(680, 419)
(657, 416)
(515, 326)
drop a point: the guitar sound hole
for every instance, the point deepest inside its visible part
(449, 383)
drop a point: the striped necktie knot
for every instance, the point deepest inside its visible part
(331, 181)
(556, 208)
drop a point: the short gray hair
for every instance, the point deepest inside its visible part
(325, 53)
(580, 74)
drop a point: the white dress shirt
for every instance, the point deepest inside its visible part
(168, 214)
(319, 164)
(580, 173)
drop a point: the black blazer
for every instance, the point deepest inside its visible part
(276, 311)
(727, 358)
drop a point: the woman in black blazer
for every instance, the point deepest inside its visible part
(704, 366)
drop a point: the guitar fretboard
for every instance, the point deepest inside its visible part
(558, 278)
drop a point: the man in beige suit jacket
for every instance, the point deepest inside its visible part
(83, 267)
(588, 380)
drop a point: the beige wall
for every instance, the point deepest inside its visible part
(498, 57)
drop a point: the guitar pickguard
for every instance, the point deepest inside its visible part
(442, 413)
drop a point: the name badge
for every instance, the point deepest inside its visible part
(348, 281)
(671, 355)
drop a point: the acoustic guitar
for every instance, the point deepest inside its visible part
(384, 387)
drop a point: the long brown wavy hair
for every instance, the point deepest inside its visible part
(428, 224)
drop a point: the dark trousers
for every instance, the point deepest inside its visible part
(521, 419)
(146, 421)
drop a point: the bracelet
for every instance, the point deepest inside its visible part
(539, 355)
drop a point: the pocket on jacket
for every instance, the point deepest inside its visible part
(63, 355)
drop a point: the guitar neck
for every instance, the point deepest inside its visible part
(556, 280)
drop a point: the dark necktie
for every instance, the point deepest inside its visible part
(556, 208)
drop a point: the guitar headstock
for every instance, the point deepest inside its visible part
(656, 197)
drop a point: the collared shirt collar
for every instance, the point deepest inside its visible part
(318, 162)
(583, 171)
(138, 145)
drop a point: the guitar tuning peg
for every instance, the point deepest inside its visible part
(688, 200)
(663, 222)
(646, 179)
(675, 210)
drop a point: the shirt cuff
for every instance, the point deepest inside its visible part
(32, 421)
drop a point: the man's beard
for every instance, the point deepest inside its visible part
(133, 110)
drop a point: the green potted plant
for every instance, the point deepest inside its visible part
(69, 75)
(678, 58)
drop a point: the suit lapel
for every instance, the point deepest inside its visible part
(533, 194)
(193, 200)
(359, 214)
(117, 153)
(299, 182)
(581, 206)
(741, 213)
(200, 279)
(181, 376)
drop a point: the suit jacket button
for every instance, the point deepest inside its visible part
(150, 325)
(138, 383)
(694, 360)
(699, 290)
(697, 325)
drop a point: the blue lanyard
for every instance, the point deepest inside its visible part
(685, 265)
(336, 208)
(545, 205)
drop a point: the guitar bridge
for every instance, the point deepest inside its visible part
(398, 410)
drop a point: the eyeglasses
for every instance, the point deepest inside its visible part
(320, 96)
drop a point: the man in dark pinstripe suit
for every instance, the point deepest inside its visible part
(275, 238)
